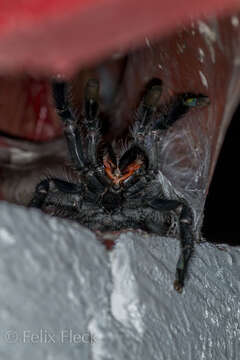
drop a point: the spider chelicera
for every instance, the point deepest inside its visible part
(118, 185)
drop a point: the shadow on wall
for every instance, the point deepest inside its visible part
(222, 222)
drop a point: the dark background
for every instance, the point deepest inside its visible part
(222, 215)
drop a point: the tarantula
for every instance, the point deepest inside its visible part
(118, 185)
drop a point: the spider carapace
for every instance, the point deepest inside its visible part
(118, 184)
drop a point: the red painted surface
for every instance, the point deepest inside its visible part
(44, 125)
(59, 35)
(41, 37)
(26, 109)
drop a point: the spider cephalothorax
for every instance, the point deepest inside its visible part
(118, 186)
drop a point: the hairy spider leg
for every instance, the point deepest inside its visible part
(71, 131)
(75, 139)
(178, 107)
(45, 194)
(82, 148)
(186, 235)
(150, 121)
(40, 194)
(91, 122)
(143, 140)
(147, 108)
(96, 176)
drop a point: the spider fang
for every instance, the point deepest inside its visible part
(114, 172)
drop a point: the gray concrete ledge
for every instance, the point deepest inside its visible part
(64, 297)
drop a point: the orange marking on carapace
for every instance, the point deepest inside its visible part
(116, 179)
(108, 169)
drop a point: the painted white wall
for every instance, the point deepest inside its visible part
(58, 285)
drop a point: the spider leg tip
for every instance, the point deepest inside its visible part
(178, 286)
